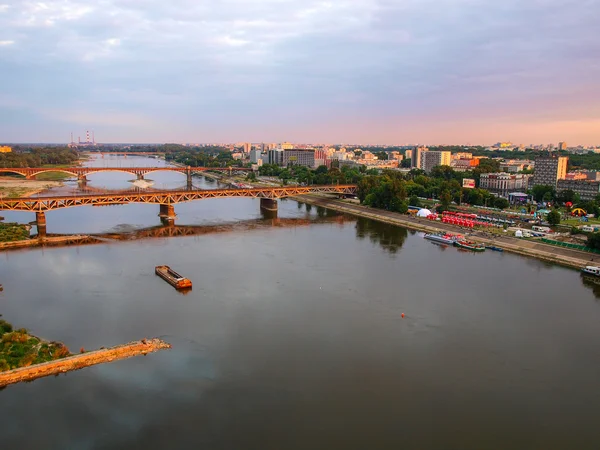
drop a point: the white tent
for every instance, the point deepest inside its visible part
(423, 213)
(518, 233)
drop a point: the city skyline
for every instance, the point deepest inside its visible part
(362, 71)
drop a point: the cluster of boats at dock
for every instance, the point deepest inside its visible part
(459, 241)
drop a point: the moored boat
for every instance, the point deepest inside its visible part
(442, 238)
(591, 270)
(469, 245)
(172, 277)
(494, 248)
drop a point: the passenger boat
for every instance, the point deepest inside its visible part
(591, 270)
(172, 277)
(442, 238)
(494, 248)
(469, 245)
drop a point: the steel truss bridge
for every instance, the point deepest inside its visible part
(82, 172)
(165, 198)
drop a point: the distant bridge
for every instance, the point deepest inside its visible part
(139, 172)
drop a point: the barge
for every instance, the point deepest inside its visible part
(469, 245)
(172, 277)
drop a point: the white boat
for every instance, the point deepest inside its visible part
(591, 270)
(441, 238)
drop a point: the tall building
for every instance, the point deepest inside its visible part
(550, 169)
(429, 160)
(275, 157)
(417, 156)
(247, 147)
(255, 155)
(408, 154)
(562, 145)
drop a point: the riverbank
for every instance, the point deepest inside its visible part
(566, 257)
(82, 360)
(16, 187)
(49, 241)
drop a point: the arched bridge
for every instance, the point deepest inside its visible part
(82, 172)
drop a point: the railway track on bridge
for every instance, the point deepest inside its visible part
(43, 204)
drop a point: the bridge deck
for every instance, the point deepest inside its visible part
(163, 197)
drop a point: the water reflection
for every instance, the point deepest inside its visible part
(389, 237)
(592, 283)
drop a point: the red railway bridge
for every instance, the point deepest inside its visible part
(82, 172)
(166, 199)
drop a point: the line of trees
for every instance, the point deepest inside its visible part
(38, 157)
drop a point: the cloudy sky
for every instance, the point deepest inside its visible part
(350, 71)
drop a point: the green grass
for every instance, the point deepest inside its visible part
(19, 349)
(13, 232)
(52, 176)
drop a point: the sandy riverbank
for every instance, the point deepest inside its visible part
(15, 187)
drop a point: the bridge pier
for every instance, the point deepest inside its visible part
(188, 174)
(40, 221)
(167, 214)
(140, 176)
(82, 179)
(268, 204)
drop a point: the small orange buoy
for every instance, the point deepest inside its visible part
(403, 315)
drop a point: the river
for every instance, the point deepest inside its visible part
(293, 336)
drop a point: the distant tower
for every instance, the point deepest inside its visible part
(72, 138)
(93, 138)
(87, 137)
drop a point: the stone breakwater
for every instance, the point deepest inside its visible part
(82, 360)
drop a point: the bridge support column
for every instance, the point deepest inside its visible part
(140, 176)
(82, 179)
(40, 221)
(167, 214)
(268, 204)
(189, 177)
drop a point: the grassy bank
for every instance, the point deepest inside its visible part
(20, 349)
(13, 232)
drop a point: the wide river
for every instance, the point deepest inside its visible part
(292, 337)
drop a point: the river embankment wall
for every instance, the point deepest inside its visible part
(82, 360)
(531, 248)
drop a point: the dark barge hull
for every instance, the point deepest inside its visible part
(172, 277)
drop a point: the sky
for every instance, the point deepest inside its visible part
(311, 71)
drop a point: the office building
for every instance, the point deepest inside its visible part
(587, 190)
(550, 169)
(562, 145)
(255, 155)
(299, 157)
(275, 157)
(503, 183)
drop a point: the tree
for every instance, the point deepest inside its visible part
(541, 190)
(251, 176)
(382, 156)
(414, 201)
(553, 217)
(501, 203)
(445, 199)
(593, 240)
